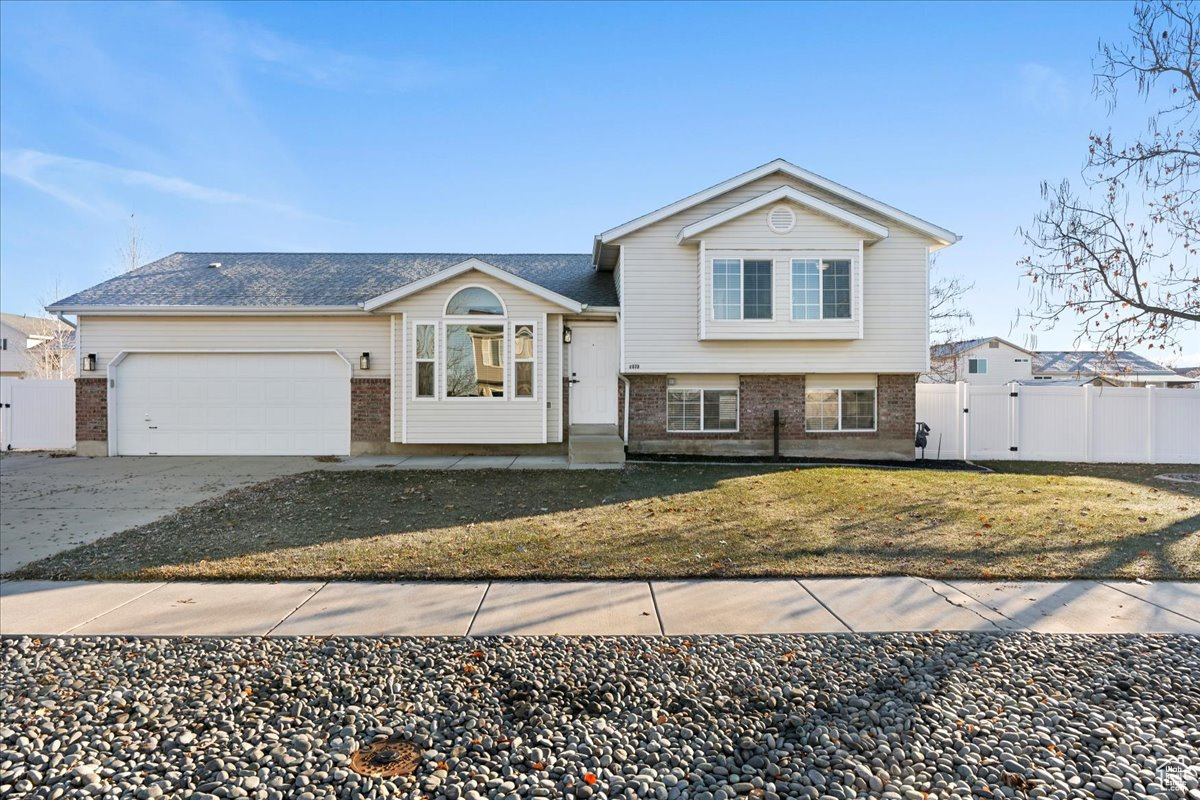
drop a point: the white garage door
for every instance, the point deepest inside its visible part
(232, 404)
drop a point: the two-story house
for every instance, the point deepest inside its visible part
(986, 361)
(35, 347)
(992, 361)
(777, 306)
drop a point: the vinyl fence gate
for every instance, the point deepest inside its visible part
(37, 415)
(1060, 423)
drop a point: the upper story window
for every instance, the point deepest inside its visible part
(820, 288)
(472, 301)
(741, 288)
(977, 366)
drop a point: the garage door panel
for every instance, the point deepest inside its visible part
(233, 404)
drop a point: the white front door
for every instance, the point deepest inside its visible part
(593, 357)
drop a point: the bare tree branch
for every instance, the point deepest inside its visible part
(1121, 256)
(948, 314)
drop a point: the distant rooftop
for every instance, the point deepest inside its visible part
(1095, 362)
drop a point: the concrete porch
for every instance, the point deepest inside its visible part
(595, 444)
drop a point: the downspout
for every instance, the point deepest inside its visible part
(625, 426)
(64, 321)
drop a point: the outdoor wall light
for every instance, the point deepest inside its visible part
(89, 362)
(364, 361)
(566, 335)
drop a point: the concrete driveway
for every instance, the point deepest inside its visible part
(51, 504)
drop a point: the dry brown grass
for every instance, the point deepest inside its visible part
(668, 521)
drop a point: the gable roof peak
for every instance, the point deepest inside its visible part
(939, 234)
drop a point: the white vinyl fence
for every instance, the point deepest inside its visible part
(37, 415)
(1060, 423)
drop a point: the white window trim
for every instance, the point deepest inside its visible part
(737, 393)
(479, 319)
(741, 260)
(437, 338)
(536, 327)
(839, 428)
(977, 361)
(820, 289)
(488, 289)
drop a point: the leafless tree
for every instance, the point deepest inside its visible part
(129, 257)
(948, 314)
(53, 357)
(1120, 254)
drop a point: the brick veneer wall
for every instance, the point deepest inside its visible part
(91, 409)
(370, 410)
(758, 397)
(897, 405)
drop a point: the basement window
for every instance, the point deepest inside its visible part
(702, 410)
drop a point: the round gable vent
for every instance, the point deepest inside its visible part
(781, 219)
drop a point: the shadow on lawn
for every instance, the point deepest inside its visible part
(322, 508)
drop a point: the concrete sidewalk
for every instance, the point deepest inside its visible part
(820, 605)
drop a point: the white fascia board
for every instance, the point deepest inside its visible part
(191, 311)
(939, 234)
(466, 266)
(798, 197)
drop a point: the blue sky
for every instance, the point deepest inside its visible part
(524, 128)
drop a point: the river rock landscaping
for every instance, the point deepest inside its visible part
(911, 716)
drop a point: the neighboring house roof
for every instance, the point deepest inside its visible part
(319, 280)
(1096, 362)
(1188, 372)
(66, 342)
(937, 233)
(958, 348)
(37, 327)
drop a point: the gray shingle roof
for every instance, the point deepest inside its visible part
(280, 280)
(1094, 362)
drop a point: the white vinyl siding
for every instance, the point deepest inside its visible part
(661, 288)
(1003, 365)
(507, 420)
(350, 336)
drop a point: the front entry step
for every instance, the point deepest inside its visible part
(595, 444)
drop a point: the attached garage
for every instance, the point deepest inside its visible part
(266, 403)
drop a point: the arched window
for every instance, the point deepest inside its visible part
(473, 301)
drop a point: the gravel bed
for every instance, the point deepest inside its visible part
(912, 716)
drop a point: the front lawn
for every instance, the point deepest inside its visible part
(657, 521)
